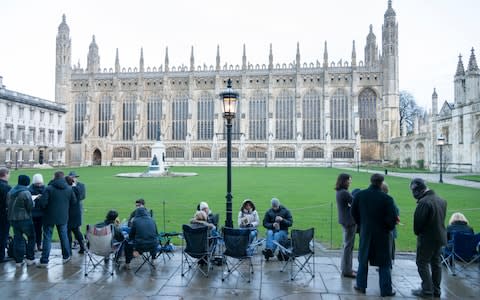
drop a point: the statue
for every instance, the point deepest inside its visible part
(154, 160)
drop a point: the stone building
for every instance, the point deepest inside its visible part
(32, 130)
(300, 113)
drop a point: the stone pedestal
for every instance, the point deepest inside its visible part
(158, 151)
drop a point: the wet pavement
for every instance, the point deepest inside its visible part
(60, 281)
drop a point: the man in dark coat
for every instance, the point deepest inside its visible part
(277, 220)
(56, 203)
(4, 225)
(75, 217)
(374, 212)
(429, 227)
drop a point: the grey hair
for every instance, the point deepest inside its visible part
(275, 202)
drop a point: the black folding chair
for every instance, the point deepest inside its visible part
(464, 247)
(301, 252)
(237, 247)
(148, 254)
(197, 251)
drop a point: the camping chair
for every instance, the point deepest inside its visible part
(302, 246)
(147, 255)
(166, 247)
(237, 246)
(99, 240)
(197, 250)
(463, 248)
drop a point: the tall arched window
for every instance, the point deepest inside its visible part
(339, 115)
(79, 116)
(129, 113)
(312, 116)
(154, 116)
(284, 116)
(257, 111)
(367, 111)
(179, 117)
(205, 107)
(104, 114)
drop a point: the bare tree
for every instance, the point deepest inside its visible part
(409, 110)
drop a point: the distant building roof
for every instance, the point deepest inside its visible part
(30, 100)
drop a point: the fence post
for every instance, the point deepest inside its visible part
(331, 225)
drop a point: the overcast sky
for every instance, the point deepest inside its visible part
(432, 34)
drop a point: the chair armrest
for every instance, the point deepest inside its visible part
(282, 248)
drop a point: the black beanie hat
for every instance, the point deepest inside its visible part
(23, 180)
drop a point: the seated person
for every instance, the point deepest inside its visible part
(143, 236)
(112, 218)
(138, 203)
(200, 218)
(248, 218)
(277, 220)
(211, 218)
(458, 223)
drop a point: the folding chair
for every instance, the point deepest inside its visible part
(302, 246)
(238, 247)
(166, 247)
(197, 250)
(464, 248)
(99, 243)
(148, 254)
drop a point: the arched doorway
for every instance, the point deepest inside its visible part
(97, 158)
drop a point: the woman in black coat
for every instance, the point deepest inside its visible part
(75, 218)
(458, 223)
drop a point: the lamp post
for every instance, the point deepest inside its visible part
(440, 143)
(16, 159)
(358, 158)
(229, 98)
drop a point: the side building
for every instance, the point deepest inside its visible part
(32, 130)
(297, 113)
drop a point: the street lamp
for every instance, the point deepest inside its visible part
(16, 159)
(358, 158)
(441, 143)
(229, 98)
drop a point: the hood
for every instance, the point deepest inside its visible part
(248, 201)
(17, 189)
(59, 183)
(141, 212)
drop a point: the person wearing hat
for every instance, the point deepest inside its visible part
(211, 218)
(20, 206)
(4, 224)
(37, 189)
(277, 220)
(429, 227)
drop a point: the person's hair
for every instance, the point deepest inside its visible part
(58, 174)
(384, 187)
(376, 180)
(458, 216)
(140, 201)
(111, 215)
(342, 181)
(200, 215)
(69, 180)
(4, 171)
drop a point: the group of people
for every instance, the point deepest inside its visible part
(32, 210)
(374, 215)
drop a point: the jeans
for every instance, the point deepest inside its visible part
(78, 236)
(348, 243)
(37, 224)
(428, 258)
(4, 229)
(47, 241)
(384, 278)
(20, 228)
(275, 236)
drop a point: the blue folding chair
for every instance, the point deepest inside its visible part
(464, 248)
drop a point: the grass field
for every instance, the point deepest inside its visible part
(307, 192)
(469, 177)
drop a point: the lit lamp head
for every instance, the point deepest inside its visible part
(229, 98)
(441, 140)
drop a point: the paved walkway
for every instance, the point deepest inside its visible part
(60, 281)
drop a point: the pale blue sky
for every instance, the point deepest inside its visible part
(432, 33)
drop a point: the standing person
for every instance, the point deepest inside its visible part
(4, 225)
(277, 220)
(81, 190)
(20, 206)
(429, 227)
(75, 217)
(374, 212)
(394, 232)
(344, 204)
(37, 189)
(56, 202)
(248, 218)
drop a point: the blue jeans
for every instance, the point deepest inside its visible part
(20, 228)
(47, 241)
(4, 229)
(275, 236)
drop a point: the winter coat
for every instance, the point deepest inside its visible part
(283, 212)
(429, 221)
(56, 202)
(251, 217)
(202, 223)
(144, 230)
(458, 226)
(36, 190)
(374, 212)
(344, 203)
(20, 203)
(4, 189)
(74, 211)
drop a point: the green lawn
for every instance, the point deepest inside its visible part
(469, 177)
(307, 192)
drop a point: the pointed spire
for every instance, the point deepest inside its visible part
(354, 55)
(390, 12)
(166, 59)
(434, 95)
(63, 27)
(244, 58)
(460, 68)
(472, 63)
(298, 56)
(325, 56)
(192, 61)
(117, 62)
(142, 64)
(218, 58)
(93, 59)
(270, 58)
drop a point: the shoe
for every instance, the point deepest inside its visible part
(359, 289)
(30, 262)
(353, 274)
(66, 260)
(42, 265)
(75, 245)
(20, 264)
(391, 294)
(420, 293)
(81, 251)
